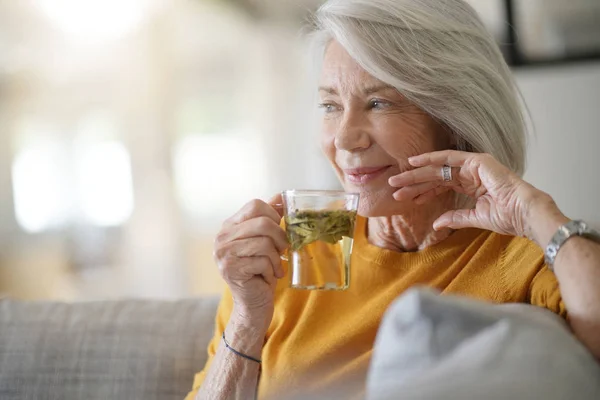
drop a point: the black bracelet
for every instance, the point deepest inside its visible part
(238, 353)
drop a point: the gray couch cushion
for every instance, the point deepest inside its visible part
(130, 349)
(445, 347)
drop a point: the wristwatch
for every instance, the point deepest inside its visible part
(568, 230)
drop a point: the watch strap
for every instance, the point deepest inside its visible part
(566, 231)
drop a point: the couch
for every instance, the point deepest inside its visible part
(428, 347)
(128, 349)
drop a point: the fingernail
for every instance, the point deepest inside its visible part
(400, 196)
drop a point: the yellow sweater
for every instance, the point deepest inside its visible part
(322, 341)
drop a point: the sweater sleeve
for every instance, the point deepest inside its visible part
(223, 314)
(544, 292)
(528, 278)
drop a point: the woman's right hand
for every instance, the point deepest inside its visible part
(247, 251)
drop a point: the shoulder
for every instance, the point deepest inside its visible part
(504, 252)
(521, 251)
(493, 245)
(505, 248)
(520, 261)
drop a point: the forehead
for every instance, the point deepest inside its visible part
(341, 71)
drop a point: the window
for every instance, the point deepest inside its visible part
(216, 174)
(104, 183)
(58, 181)
(40, 186)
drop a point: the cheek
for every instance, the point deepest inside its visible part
(403, 136)
(327, 142)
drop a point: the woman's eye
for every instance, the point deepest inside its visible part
(327, 107)
(379, 104)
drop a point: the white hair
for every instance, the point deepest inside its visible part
(439, 55)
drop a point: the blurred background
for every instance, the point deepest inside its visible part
(130, 129)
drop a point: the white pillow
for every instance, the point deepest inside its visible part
(447, 347)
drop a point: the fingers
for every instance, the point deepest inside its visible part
(430, 173)
(253, 209)
(452, 158)
(430, 195)
(250, 244)
(253, 228)
(235, 269)
(261, 266)
(419, 175)
(411, 192)
(423, 184)
(277, 203)
(426, 181)
(248, 251)
(457, 219)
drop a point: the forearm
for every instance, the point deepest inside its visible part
(231, 376)
(577, 268)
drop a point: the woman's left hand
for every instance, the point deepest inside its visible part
(503, 199)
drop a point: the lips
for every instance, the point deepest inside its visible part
(364, 175)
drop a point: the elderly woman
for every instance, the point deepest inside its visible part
(421, 116)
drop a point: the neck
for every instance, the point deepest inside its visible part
(411, 230)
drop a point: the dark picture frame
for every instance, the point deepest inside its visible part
(515, 46)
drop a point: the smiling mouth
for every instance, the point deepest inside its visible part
(365, 175)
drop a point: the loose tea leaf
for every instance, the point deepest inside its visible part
(305, 227)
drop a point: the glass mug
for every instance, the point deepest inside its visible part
(319, 225)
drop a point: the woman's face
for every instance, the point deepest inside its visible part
(369, 130)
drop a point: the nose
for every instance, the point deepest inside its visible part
(352, 134)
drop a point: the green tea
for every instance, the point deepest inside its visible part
(307, 226)
(320, 248)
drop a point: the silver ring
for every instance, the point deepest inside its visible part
(447, 173)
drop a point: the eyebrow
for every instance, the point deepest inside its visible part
(367, 90)
(378, 88)
(328, 89)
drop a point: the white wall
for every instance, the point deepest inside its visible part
(564, 155)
